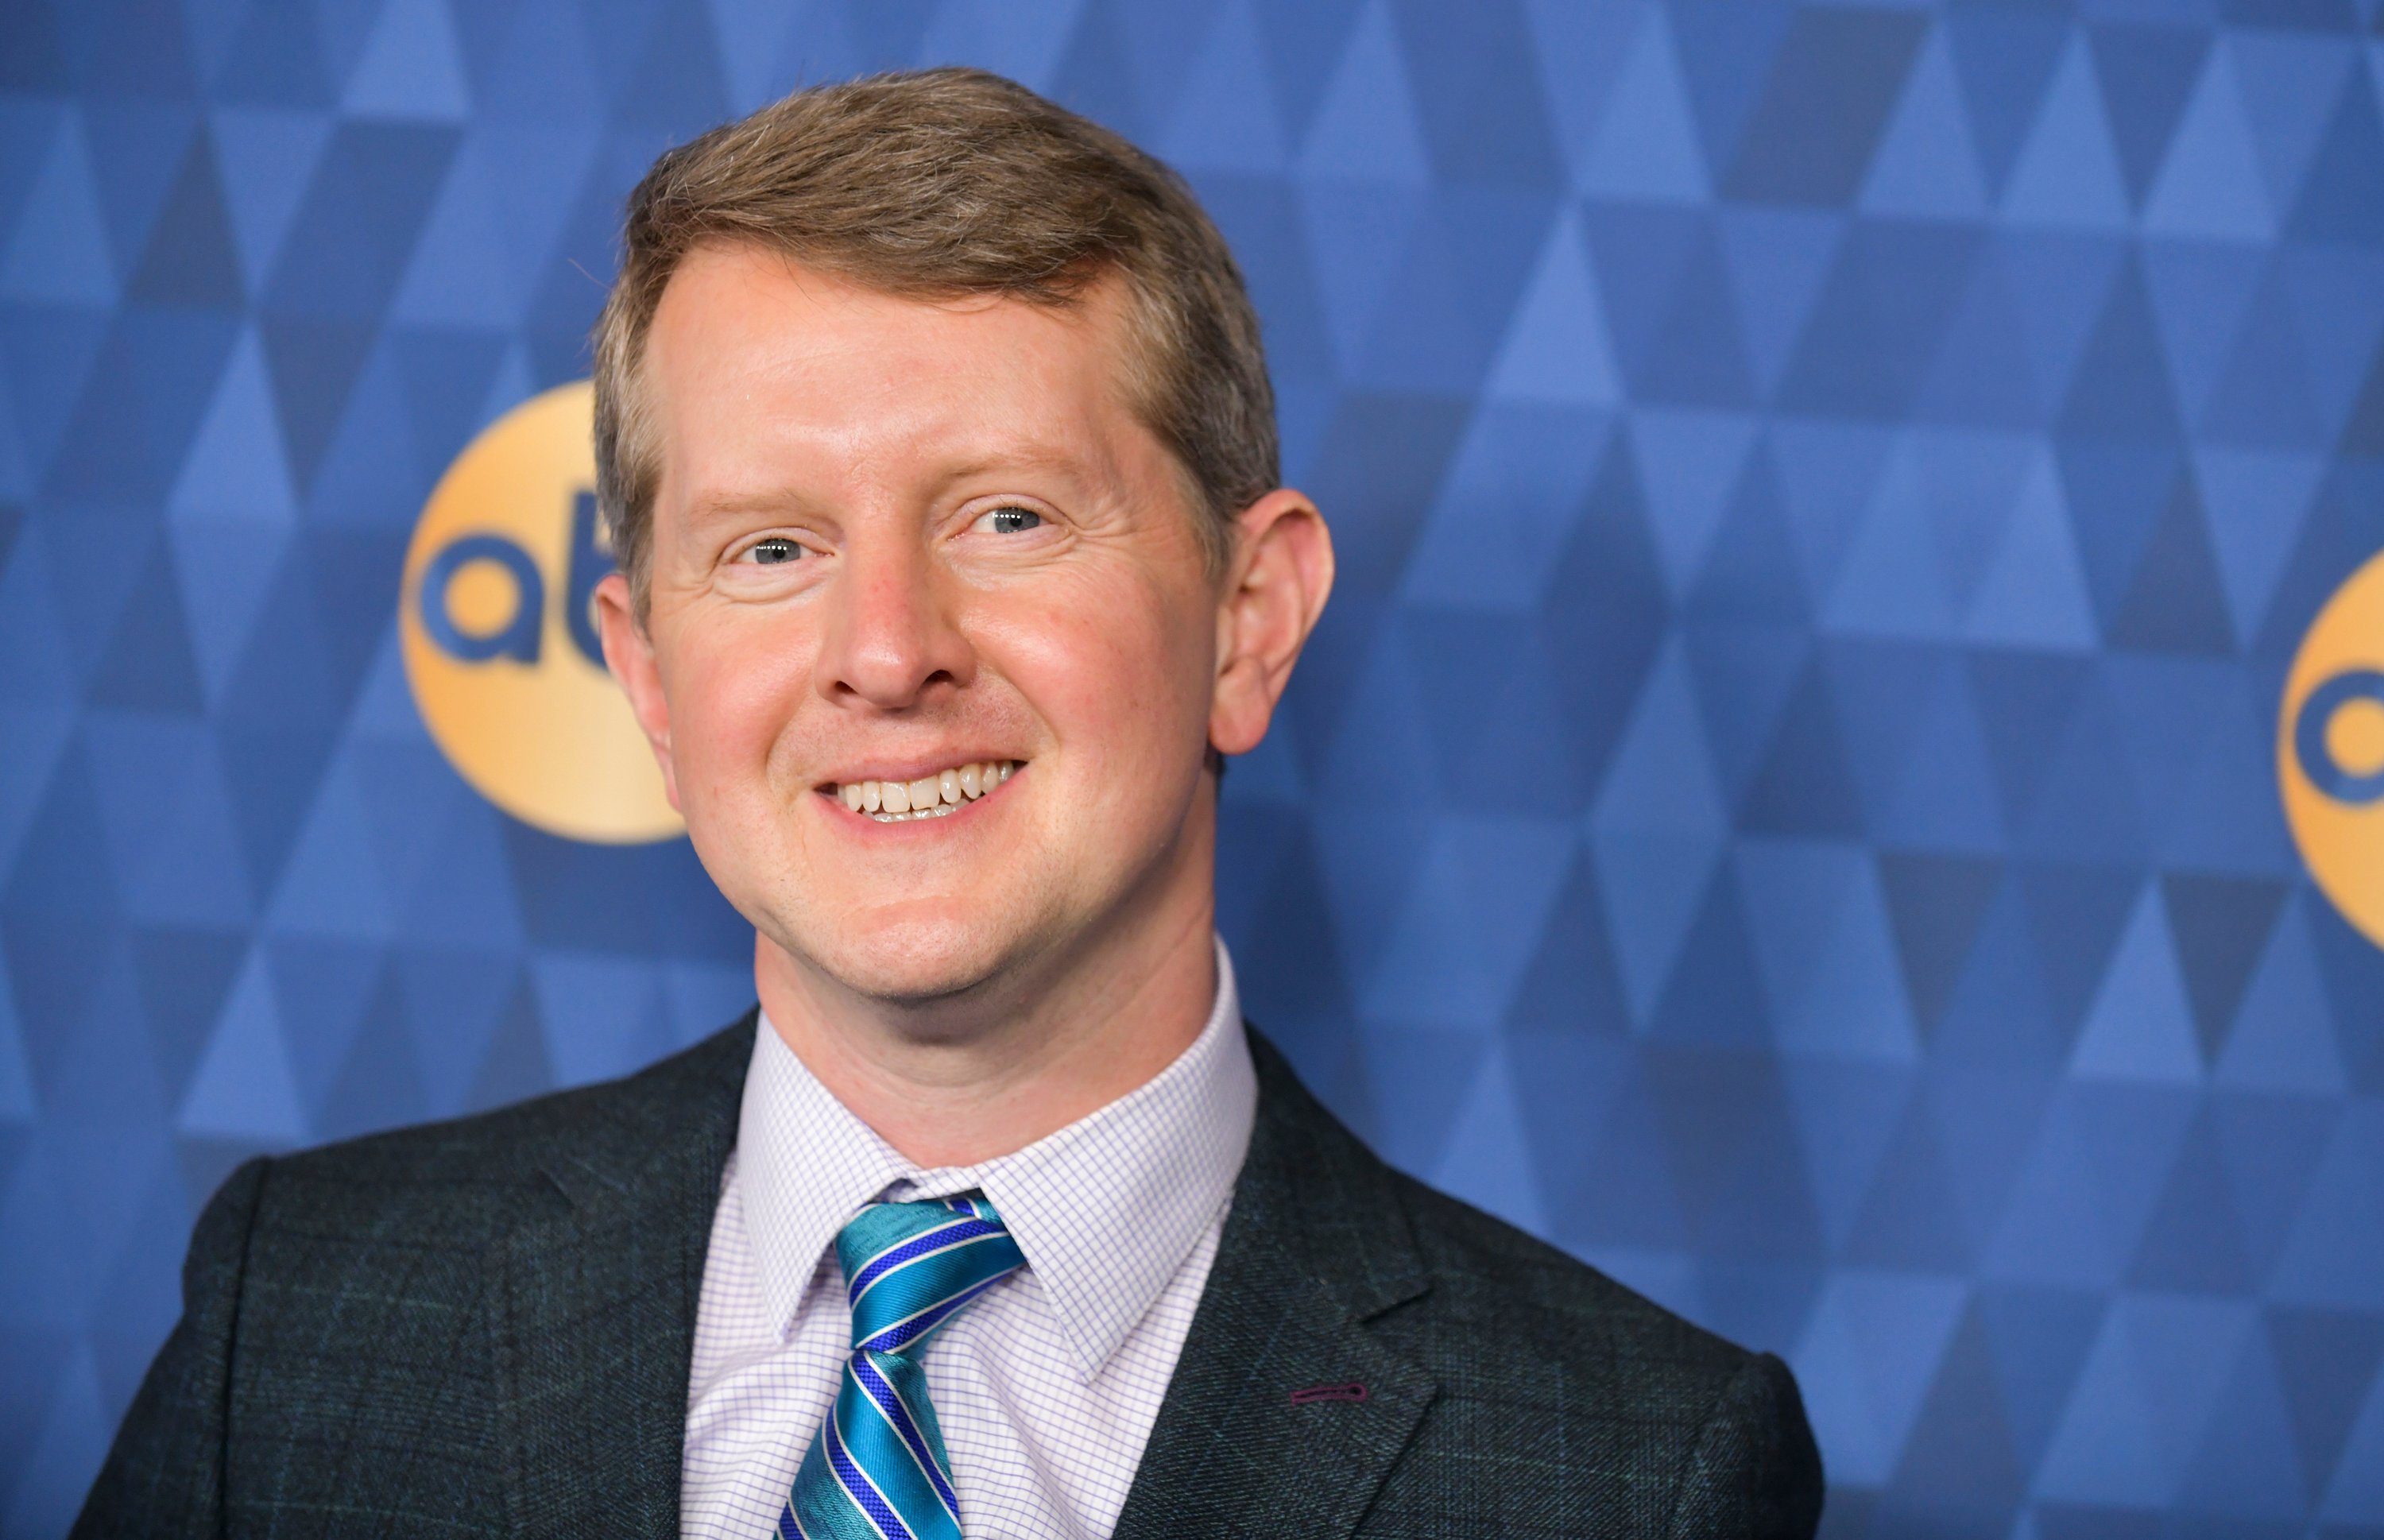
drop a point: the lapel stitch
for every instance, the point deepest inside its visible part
(1316, 1243)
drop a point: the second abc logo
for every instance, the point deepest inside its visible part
(2330, 749)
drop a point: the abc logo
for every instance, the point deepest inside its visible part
(2330, 749)
(500, 642)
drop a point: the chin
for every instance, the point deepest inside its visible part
(913, 963)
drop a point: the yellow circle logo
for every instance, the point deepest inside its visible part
(500, 638)
(2330, 749)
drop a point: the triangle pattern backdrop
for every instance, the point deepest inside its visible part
(1783, 805)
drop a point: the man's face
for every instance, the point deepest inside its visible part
(892, 538)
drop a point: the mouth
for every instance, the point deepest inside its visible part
(938, 795)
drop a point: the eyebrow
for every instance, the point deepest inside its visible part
(726, 507)
(1027, 457)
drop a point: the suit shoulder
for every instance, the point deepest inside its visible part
(1498, 1306)
(457, 1168)
(1542, 1359)
(1488, 1273)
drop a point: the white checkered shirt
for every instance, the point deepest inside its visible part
(1047, 1386)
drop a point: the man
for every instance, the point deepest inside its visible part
(936, 449)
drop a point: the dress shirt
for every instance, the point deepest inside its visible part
(1047, 1386)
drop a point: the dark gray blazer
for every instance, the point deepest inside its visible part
(483, 1327)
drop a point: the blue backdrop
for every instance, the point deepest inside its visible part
(1784, 803)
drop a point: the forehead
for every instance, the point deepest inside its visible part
(750, 352)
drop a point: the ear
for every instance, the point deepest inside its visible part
(629, 656)
(1282, 572)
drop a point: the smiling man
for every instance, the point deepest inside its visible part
(936, 448)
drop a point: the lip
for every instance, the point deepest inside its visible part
(914, 827)
(913, 770)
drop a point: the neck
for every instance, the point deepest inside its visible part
(959, 1081)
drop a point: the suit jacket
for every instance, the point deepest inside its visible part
(484, 1327)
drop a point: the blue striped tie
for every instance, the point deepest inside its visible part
(877, 1470)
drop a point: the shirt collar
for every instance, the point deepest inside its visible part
(1105, 1210)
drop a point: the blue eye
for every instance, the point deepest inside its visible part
(775, 551)
(1014, 521)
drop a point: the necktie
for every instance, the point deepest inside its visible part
(876, 1469)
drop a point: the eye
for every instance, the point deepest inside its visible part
(773, 552)
(1010, 520)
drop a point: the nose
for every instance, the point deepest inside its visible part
(893, 640)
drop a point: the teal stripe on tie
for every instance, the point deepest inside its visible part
(916, 1301)
(822, 1520)
(877, 1470)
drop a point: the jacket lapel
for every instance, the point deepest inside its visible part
(593, 1297)
(1284, 1414)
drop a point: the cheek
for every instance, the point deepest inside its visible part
(735, 688)
(1119, 671)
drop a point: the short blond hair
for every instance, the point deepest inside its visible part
(938, 184)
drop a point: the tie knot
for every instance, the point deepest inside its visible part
(911, 1267)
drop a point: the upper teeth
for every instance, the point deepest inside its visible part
(928, 797)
